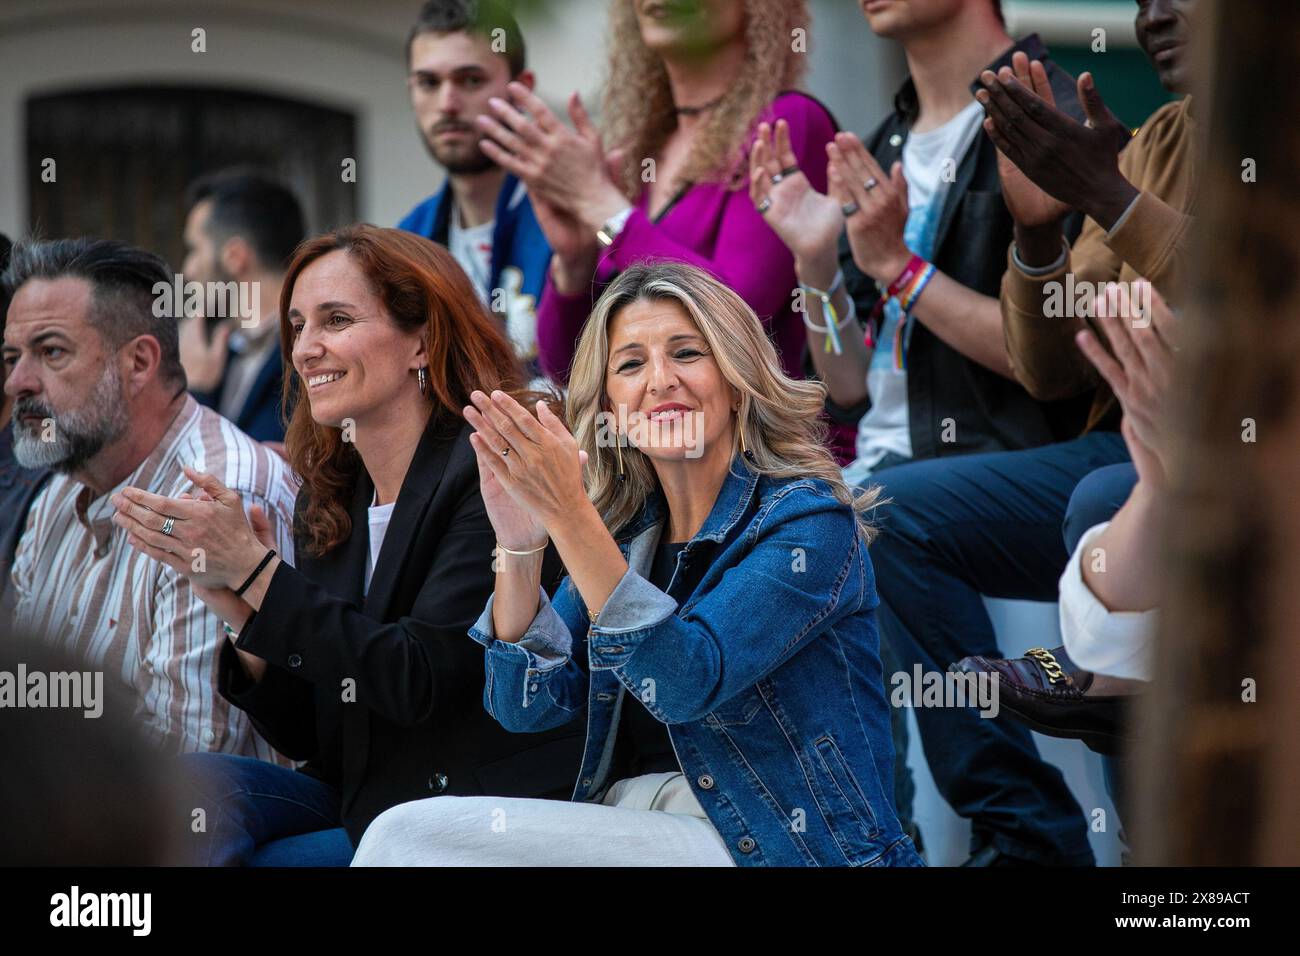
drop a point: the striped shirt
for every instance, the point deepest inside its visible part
(80, 586)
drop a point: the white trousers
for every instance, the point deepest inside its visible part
(652, 820)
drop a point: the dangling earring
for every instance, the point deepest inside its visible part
(618, 450)
(422, 378)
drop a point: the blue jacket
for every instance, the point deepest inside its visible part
(521, 257)
(260, 417)
(764, 663)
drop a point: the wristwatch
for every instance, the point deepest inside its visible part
(613, 226)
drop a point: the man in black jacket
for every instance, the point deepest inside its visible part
(240, 231)
(923, 250)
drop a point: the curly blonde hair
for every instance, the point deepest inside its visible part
(779, 415)
(638, 112)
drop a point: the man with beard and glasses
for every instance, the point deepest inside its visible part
(462, 53)
(99, 399)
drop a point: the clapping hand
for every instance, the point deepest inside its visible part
(567, 168)
(1139, 368)
(1073, 162)
(209, 538)
(530, 468)
(1028, 204)
(808, 222)
(876, 206)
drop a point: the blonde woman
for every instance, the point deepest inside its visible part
(717, 630)
(688, 84)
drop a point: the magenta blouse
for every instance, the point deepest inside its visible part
(717, 229)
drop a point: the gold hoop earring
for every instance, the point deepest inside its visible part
(740, 431)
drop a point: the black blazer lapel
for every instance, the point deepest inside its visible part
(418, 489)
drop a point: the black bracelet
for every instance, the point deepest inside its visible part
(256, 571)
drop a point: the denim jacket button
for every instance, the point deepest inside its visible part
(705, 781)
(746, 844)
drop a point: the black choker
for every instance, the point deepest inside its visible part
(697, 110)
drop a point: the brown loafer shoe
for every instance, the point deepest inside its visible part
(1045, 689)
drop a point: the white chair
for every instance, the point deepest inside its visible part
(1019, 625)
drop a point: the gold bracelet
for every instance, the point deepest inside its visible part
(534, 551)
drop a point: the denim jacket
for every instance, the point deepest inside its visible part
(762, 658)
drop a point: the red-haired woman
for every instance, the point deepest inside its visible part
(354, 659)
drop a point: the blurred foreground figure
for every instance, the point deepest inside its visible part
(80, 786)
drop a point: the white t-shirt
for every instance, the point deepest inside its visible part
(1116, 643)
(472, 248)
(379, 516)
(930, 162)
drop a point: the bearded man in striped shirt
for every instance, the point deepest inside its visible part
(99, 398)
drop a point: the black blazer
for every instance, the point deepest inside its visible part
(383, 696)
(260, 417)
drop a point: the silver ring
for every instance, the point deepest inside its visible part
(764, 205)
(849, 208)
(871, 183)
(168, 525)
(777, 177)
(505, 451)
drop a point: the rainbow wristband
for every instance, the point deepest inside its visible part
(908, 300)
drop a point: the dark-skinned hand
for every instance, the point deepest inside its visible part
(1073, 162)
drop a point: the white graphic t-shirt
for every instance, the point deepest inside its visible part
(930, 162)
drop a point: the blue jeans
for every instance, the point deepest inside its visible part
(959, 528)
(1096, 499)
(904, 783)
(258, 814)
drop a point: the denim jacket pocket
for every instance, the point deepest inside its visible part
(739, 710)
(845, 807)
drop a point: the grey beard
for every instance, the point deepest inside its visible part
(77, 436)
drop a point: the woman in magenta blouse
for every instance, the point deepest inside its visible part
(688, 85)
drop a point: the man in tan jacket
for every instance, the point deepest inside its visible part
(992, 524)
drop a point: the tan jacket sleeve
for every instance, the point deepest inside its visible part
(1152, 241)
(1040, 314)
(1039, 321)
